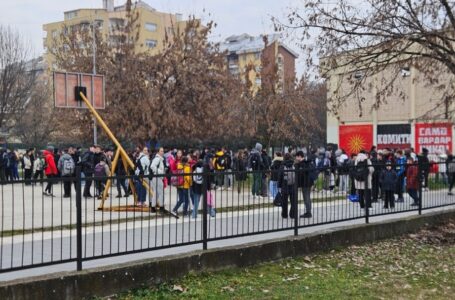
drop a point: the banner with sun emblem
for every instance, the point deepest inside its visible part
(354, 138)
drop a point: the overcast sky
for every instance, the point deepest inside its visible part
(232, 16)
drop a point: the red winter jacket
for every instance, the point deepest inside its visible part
(412, 181)
(51, 168)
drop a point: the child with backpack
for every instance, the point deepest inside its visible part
(101, 171)
(388, 181)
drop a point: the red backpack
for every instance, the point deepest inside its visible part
(177, 178)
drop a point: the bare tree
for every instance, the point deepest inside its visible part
(365, 39)
(35, 123)
(17, 76)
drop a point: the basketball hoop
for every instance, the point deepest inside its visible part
(65, 85)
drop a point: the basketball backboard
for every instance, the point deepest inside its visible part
(65, 84)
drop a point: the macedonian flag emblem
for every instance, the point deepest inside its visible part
(356, 143)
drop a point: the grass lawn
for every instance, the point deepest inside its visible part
(416, 266)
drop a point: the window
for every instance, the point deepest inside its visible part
(151, 43)
(257, 55)
(150, 27)
(258, 81)
(99, 24)
(70, 15)
(54, 33)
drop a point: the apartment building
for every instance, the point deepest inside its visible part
(153, 25)
(264, 54)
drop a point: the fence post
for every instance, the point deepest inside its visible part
(79, 217)
(421, 175)
(204, 207)
(296, 203)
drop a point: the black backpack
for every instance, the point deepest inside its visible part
(361, 171)
(255, 161)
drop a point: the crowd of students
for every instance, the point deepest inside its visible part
(365, 177)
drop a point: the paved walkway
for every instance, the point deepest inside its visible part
(25, 207)
(140, 232)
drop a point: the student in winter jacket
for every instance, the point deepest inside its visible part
(388, 181)
(219, 163)
(400, 163)
(141, 172)
(451, 172)
(256, 164)
(158, 168)
(38, 166)
(196, 187)
(28, 168)
(101, 171)
(240, 166)
(343, 172)
(412, 181)
(275, 174)
(183, 190)
(66, 166)
(286, 184)
(121, 182)
(363, 185)
(424, 166)
(306, 174)
(50, 171)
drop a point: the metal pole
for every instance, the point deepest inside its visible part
(420, 178)
(95, 127)
(204, 207)
(79, 218)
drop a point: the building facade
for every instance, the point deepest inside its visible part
(153, 25)
(415, 113)
(260, 56)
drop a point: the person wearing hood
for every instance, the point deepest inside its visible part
(286, 184)
(256, 164)
(50, 171)
(363, 178)
(67, 168)
(275, 174)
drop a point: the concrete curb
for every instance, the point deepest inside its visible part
(114, 279)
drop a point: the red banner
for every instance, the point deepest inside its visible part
(354, 138)
(436, 137)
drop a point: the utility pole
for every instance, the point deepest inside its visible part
(95, 126)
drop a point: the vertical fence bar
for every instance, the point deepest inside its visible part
(420, 191)
(204, 208)
(79, 218)
(295, 203)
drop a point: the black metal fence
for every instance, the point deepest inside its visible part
(39, 228)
